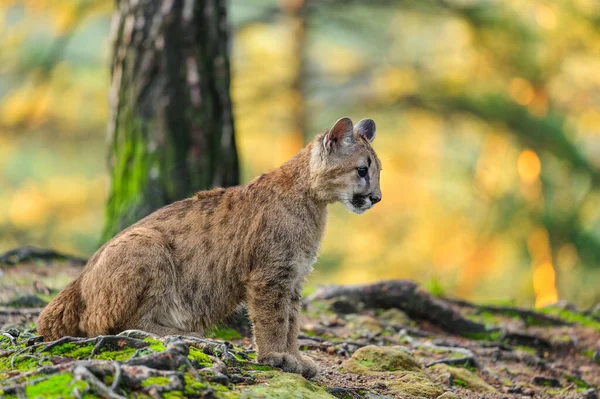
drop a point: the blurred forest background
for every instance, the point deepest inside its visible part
(487, 111)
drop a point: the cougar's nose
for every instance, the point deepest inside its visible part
(374, 199)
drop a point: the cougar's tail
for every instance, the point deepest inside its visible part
(61, 316)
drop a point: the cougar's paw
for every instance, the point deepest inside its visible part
(284, 361)
(308, 366)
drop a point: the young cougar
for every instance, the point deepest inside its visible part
(191, 264)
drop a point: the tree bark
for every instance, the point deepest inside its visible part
(171, 126)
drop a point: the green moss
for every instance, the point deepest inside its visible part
(396, 368)
(579, 383)
(227, 334)
(465, 378)
(572, 317)
(174, 395)
(21, 363)
(57, 386)
(200, 357)
(156, 344)
(527, 349)
(123, 354)
(155, 381)
(489, 319)
(72, 350)
(260, 367)
(195, 388)
(280, 385)
(459, 382)
(375, 358)
(368, 363)
(484, 336)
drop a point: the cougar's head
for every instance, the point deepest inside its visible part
(345, 167)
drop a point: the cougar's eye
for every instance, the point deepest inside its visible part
(362, 172)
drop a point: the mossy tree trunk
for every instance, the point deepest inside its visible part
(171, 125)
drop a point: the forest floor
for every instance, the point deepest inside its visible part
(386, 340)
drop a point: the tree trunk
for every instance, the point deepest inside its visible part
(171, 125)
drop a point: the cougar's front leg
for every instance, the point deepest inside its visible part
(269, 304)
(309, 368)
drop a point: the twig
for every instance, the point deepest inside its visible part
(83, 373)
(117, 378)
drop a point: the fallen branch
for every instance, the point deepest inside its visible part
(27, 253)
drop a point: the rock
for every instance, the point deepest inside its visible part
(276, 384)
(364, 325)
(374, 358)
(590, 394)
(396, 368)
(464, 378)
(13, 332)
(395, 316)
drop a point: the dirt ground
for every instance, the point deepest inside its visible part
(365, 347)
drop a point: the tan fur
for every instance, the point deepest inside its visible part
(192, 263)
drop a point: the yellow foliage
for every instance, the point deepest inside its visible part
(16, 106)
(544, 285)
(337, 61)
(529, 166)
(567, 257)
(391, 83)
(545, 16)
(28, 207)
(521, 91)
(65, 16)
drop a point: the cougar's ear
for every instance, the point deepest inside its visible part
(366, 129)
(339, 134)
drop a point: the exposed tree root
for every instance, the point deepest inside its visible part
(408, 296)
(27, 254)
(528, 316)
(420, 304)
(128, 375)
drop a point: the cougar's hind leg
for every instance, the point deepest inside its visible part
(133, 276)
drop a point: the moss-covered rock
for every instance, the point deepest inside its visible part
(363, 325)
(396, 368)
(371, 358)
(395, 316)
(464, 378)
(280, 385)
